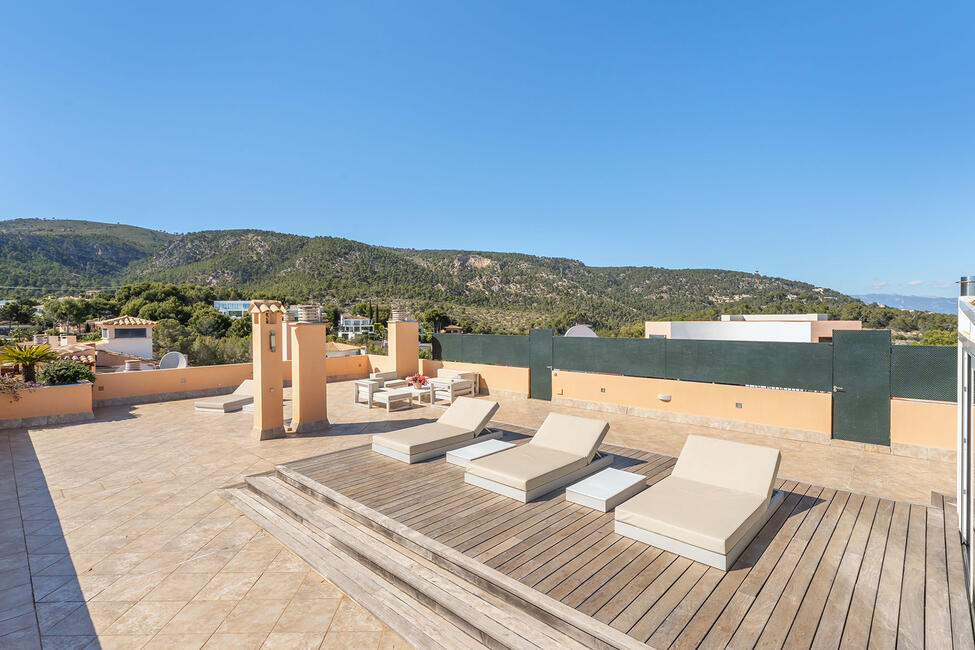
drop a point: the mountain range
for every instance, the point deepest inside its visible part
(57, 256)
(923, 303)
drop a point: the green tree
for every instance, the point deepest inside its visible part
(170, 336)
(207, 321)
(240, 328)
(27, 357)
(939, 337)
(19, 311)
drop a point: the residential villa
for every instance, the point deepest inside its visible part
(232, 308)
(537, 491)
(351, 326)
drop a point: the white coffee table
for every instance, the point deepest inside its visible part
(465, 455)
(605, 490)
(394, 399)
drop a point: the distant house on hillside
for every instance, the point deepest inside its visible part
(232, 308)
(127, 335)
(452, 329)
(351, 326)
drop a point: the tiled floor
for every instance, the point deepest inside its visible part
(111, 528)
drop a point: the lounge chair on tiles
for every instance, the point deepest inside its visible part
(562, 451)
(243, 395)
(718, 497)
(460, 425)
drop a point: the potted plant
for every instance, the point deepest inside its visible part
(416, 381)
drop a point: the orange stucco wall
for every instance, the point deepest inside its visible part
(381, 363)
(923, 423)
(343, 366)
(805, 411)
(151, 382)
(50, 400)
(491, 377)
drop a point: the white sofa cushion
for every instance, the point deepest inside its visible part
(727, 464)
(469, 413)
(423, 437)
(571, 434)
(526, 467)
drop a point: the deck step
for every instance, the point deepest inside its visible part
(574, 627)
(479, 614)
(411, 619)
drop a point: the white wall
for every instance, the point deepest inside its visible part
(794, 332)
(138, 347)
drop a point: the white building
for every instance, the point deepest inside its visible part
(232, 308)
(790, 328)
(127, 335)
(351, 326)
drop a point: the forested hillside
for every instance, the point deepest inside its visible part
(511, 290)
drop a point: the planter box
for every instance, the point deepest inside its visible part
(47, 405)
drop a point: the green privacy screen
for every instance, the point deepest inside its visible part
(916, 371)
(924, 372)
(806, 366)
(499, 349)
(634, 357)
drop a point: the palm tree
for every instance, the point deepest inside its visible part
(28, 356)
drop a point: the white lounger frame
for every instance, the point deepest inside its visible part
(696, 553)
(486, 434)
(599, 462)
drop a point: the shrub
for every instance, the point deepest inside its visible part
(65, 371)
(12, 386)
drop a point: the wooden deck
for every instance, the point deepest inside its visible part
(830, 569)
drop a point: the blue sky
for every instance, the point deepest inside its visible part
(827, 142)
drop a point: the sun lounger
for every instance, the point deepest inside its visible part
(244, 394)
(562, 451)
(718, 497)
(462, 424)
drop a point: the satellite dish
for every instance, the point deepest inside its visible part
(581, 331)
(172, 360)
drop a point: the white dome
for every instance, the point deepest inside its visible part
(581, 331)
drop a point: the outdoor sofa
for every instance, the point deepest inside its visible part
(243, 395)
(460, 425)
(718, 497)
(562, 451)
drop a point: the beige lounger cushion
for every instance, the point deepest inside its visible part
(696, 513)
(562, 445)
(728, 464)
(470, 413)
(718, 490)
(571, 434)
(526, 467)
(423, 437)
(242, 395)
(465, 419)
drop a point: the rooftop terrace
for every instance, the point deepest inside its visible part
(115, 534)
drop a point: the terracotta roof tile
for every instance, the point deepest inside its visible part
(125, 320)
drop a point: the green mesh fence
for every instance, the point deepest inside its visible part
(498, 349)
(924, 372)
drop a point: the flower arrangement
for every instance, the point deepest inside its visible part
(416, 381)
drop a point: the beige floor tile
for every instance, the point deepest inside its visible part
(336, 640)
(392, 641)
(253, 617)
(249, 561)
(179, 586)
(177, 641)
(293, 641)
(275, 586)
(315, 587)
(352, 617)
(120, 642)
(224, 641)
(307, 616)
(199, 617)
(288, 562)
(227, 586)
(131, 587)
(147, 617)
